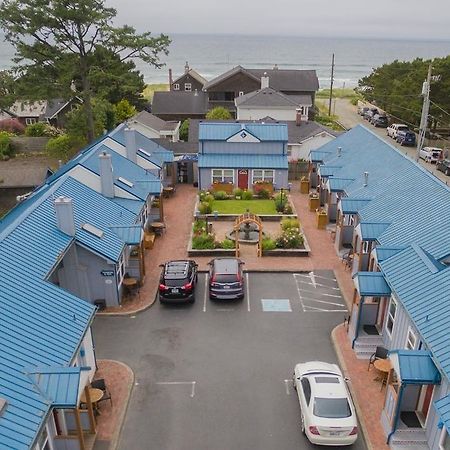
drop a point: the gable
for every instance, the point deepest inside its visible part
(239, 81)
(242, 136)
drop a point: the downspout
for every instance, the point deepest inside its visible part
(397, 414)
(361, 303)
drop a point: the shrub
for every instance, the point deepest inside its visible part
(201, 196)
(184, 130)
(218, 113)
(291, 238)
(6, 148)
(12, 125)
(237, 193)
(199, 227)
(287, 223)
(227, 244)
(280, 202)
(209, 198)
(247, 195)
(204, 208)
(288, 209)
(268, 244)
(203, 241)
(64, 147)
(220, 195)
(36, 129)
(264, 193)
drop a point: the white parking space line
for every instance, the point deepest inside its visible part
(313, 279)
(171, 383)
(322, 301)
(206, 293)
(286, 384)
(225, 309)
(248, 292)
(315, 284)
(322, 293)
(315, 276)
(308, 308)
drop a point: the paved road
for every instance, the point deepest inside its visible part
(349, 118)
(217, 376)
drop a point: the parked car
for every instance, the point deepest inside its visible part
(178, 281)
(327, 413)
(406, 137)
(379, 120)
(226, 280)
(362, 110)
(444, 166)
(370, 113)
(393, 129)
(431, 154)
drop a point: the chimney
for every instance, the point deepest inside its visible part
(106, 175)
(186, 67)
(64, 215)
(339, 151)
(298, 117)
(366, 178)
(170, 79)
(264, 81)
(130, 143)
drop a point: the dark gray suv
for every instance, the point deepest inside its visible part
(226, 279)
(178, 281)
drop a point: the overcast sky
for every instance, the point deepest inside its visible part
(406, 19)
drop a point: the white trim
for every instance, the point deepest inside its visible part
(391, 301)
(264, 175)
(444, 436)
(188, 87)
(222, 176)
(411, 344)
(176, 86)
(30, 120)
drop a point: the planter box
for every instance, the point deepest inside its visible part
(314, 203)
(304, 186)
(226, 187)
(322, 220)
(212, 252)
(257, 187)
(287, 252)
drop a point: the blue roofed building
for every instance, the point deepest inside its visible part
(238, 155)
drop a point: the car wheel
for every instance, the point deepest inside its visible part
(302, 424)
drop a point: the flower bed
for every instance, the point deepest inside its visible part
(262, 185)
(226, 187)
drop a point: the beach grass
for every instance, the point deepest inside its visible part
(337, 93)
(151, 88)
(241, 206)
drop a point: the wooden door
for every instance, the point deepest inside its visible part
(243, 179)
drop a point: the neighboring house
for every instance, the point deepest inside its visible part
(224, 89)
(179, 106)
(154, 127)
(388, 210)
(242, 155)
(302, 138)
(190, 81)
(51, 111)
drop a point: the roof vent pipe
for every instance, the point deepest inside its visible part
(264, 81)
(339, 151)
(130, 144)
(64, 215)
(106, 175)
(366, 178)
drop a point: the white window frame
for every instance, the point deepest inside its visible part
(267, 175)
(188, 87)
(220, 177)
(443, 438)
(241, 93)
(411, 339)
(30, 120)
(121, 269)
(365, 246)
(390, 316)
(176, 87)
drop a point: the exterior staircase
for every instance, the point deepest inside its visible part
(365, 346)
(409, 439)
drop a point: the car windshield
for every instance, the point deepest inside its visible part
(225, 278)
(331, 408)
(402, 128)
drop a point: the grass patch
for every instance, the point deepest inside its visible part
(241, 206)
(337, 93)
(151, 88)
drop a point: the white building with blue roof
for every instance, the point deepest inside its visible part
(391, 214)
(242, 155)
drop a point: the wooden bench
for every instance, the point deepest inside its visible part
(149, 240)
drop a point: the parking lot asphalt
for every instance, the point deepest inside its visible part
(218, 375)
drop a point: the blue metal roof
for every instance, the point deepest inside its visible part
(135, 206)
(417, 367)
(221, 131)
(352, 205)
(242, 161)
(443, 408)
(59, 385)
(372, 231)
(421, 284)
(131, 235)
(372, 284)
(339, 184)
(384, 252)
(319, 155)
(327, 171)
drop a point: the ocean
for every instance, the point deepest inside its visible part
(212, 55)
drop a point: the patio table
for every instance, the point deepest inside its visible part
(384, 366)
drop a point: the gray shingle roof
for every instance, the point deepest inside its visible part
(153, 122)
(178, 148)
(194, 74)
(268, 97)
(180, 103)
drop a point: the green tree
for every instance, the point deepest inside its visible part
(62, 37)
(7, 89)
(64, 147)
(124, 110)
(184, 130)
(219, 113)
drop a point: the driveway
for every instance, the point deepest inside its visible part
(217, 375)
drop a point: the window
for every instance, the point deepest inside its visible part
(263, 175)
(188, 87)
(391, 316)
(30, 120)
(365, 246)
(241, 93)
(411, 340)
(223, 176)
(176, 87)
(331, 408)
(306, 389)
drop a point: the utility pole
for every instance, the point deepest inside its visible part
(331, 85)
(425, 110)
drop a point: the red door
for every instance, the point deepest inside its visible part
(243, 179)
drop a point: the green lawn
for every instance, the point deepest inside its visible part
(151, 88)
(241, 206)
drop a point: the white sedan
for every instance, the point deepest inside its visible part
(327, 413)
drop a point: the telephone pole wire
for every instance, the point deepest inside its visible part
(331, 85)
(425, 110)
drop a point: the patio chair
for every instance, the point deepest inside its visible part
(380, 353)
(347, 259)
(100, 384)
